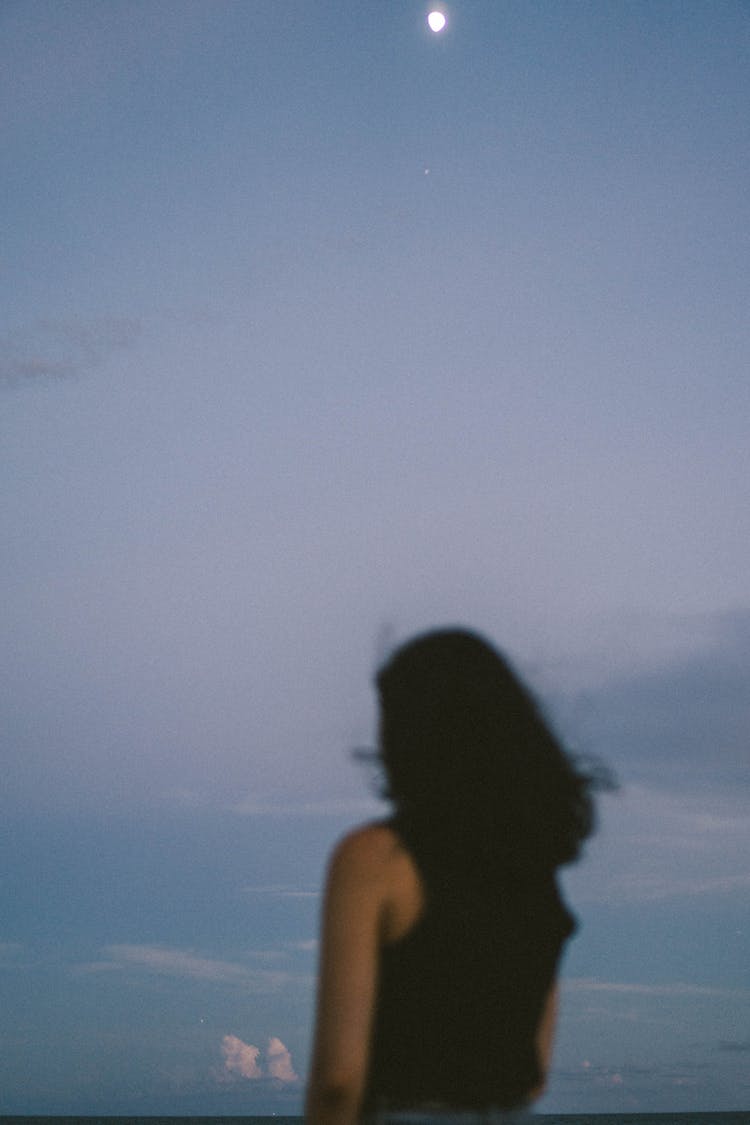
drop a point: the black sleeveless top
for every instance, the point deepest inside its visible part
(460, 996)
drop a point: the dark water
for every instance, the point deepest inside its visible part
(739, 1118)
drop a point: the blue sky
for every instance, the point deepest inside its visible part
(319, 329)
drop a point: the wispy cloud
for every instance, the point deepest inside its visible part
(51, 350)
(627, 1074)
(165, 961)
(658, 845)
(678, 818)
(175, 962)
(676, 989)
(280, 890)
(652, 888)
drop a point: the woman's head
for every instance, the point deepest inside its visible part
(466, 749)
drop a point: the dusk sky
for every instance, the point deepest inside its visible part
(319, 329)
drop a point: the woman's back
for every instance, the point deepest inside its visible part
(443, 928)
(461, 993)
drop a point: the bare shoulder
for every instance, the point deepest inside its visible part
(371, 866)
(365, 851)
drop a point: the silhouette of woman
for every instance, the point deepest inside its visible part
(443, 925)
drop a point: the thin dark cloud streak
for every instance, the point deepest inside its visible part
(57, 350)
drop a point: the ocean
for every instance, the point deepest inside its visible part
(735, 1118)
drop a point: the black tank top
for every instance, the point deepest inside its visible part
(460, 996)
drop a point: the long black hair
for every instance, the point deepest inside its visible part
(471, 765)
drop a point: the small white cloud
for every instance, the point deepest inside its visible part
(280, 1061)
(240, 1058)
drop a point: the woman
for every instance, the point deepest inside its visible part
(443, 926)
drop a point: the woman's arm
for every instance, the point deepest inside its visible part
(352, 918)
(545, 1034)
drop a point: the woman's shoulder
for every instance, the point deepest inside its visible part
(373, 862)
(370, 845)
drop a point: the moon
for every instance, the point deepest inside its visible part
(436, 20)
